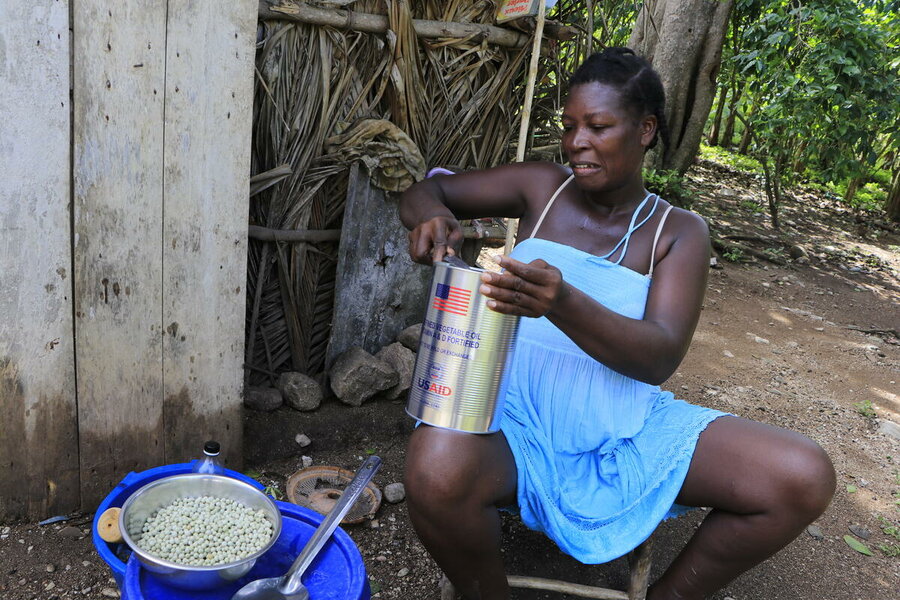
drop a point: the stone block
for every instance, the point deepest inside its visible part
(262, 398)
(356, 376)
(300, 391)
(409, 337)
(403, 360)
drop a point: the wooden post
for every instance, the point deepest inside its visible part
(513, 224)
(379, 290)
(38, 434)
(210, 49)
(163, 94)
(119, 92)
(639, 562)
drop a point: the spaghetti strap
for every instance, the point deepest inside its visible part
(632, 227)
(656, 239)
(549, 204)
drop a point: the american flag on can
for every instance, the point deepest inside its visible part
(451, 299)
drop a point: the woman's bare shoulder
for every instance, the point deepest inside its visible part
(542, 179)
(687, 223)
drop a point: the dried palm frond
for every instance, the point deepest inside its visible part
(456, 98)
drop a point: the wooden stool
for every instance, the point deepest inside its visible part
(639, 562)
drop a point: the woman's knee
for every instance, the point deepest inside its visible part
(806, 479)
(446, 468)
(430, 479)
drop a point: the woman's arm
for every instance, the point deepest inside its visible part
(649, 349)
(430, 208)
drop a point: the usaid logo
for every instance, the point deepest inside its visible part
(432, 387)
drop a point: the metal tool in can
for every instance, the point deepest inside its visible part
(459, 379)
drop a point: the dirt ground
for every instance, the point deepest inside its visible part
(811, 345)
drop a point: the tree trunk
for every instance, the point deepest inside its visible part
(728, 134)
(683, 39)
(799, 158)
(892, 204)
(713, 137)
(852, 188)
(773, 188)
(747, 136)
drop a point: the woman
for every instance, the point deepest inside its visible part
(591, 451)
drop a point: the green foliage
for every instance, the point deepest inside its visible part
(273, 491)
(857, 545)
(670, 185)
(824, 77)
(866, 409)
(752, 206)
(870, 197)
(891, 549)
(889, 528)
(738, 162)
(821, 88)
(733, 255)
(882, 177)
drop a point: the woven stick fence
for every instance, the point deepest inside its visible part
(453, 89)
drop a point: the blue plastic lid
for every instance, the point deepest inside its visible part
(338, 573)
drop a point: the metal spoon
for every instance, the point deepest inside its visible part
(289, 586)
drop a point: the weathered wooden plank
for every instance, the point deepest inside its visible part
(119, 87)
(38, 434)
(379, 290)
(209, 97)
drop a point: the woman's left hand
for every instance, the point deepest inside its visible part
(529, 290)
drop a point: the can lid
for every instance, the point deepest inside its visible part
(455, 261)
(211, 447)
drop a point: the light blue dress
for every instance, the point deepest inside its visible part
(600, 456)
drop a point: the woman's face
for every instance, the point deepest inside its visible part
(603, 140)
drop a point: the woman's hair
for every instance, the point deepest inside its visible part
(634, 77)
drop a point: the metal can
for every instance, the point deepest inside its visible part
(459, 379)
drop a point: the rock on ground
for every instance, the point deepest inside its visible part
(404, 361)
(357, 376)
(300, 391)
(394, 492)
(264, 399)
(409, 337)
(889, 428)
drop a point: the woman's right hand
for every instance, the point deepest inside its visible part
(433, 239)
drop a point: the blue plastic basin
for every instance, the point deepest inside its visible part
(338, 573)
(111, 553)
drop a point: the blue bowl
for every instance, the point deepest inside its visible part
(116, 555)
(338, 573)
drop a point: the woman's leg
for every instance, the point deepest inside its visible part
(454, 483)
(764, 484)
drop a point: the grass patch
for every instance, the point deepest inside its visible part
(725, 157)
